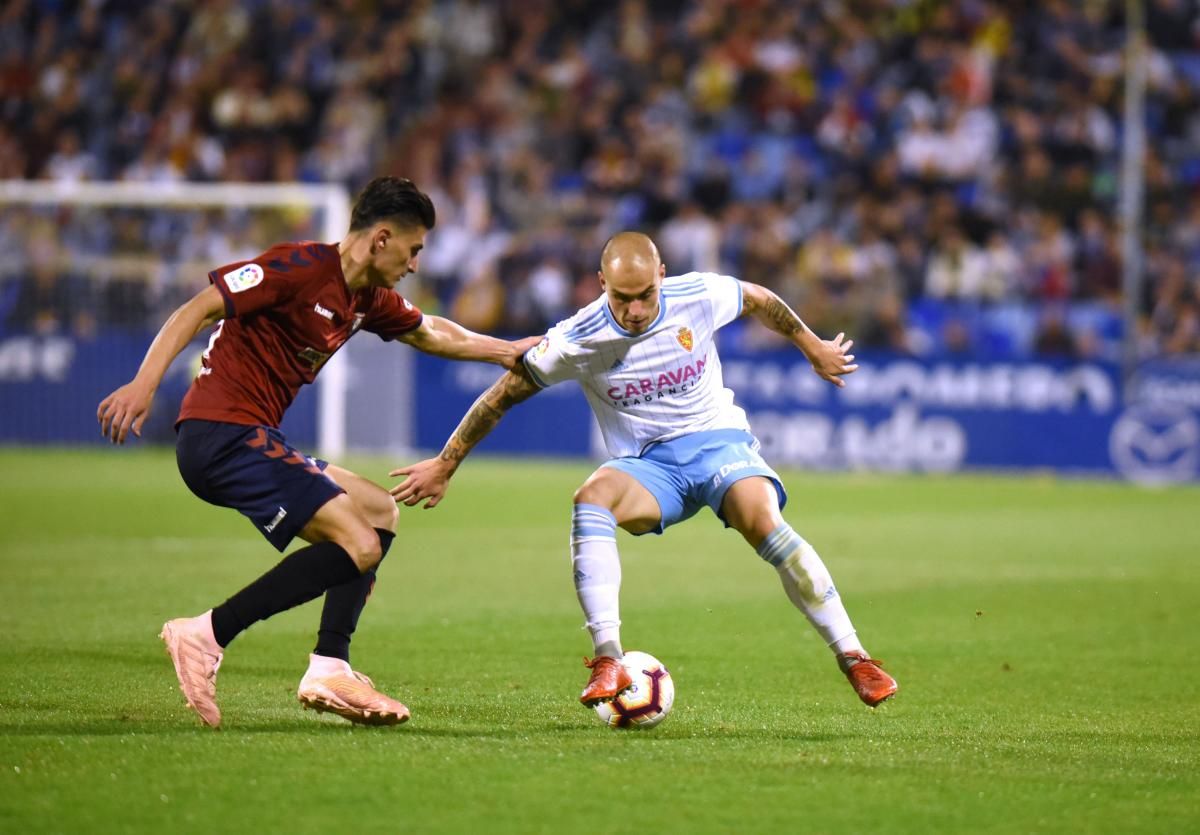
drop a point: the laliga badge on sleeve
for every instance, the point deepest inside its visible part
(244, 278)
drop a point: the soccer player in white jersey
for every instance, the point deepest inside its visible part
(644, 354)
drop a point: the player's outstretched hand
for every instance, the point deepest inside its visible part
(831, 359)
(424, 481)
(123, 410)
(520, 347)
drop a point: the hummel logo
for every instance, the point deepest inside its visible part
(328, 314)
(275, 522)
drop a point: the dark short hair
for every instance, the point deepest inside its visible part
(392, 198)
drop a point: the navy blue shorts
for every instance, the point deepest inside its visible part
(254, 470)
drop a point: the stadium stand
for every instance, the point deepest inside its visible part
(936, 178)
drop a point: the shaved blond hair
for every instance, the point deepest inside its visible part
(626, 250)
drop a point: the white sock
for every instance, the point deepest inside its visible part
(597, 569)
(809, 586)
(323, 665)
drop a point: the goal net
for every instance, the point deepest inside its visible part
(89, 271)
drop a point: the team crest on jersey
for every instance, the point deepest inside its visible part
(314, 358)
(541, 348)
(684, 335)
(244, 278)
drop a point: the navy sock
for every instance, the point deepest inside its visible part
(344, 605)
(300, 577)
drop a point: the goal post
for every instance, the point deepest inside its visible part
(330, 201)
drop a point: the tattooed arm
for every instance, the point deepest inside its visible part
(828, 356)
(430, 479)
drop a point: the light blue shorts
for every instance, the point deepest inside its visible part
(687, 473)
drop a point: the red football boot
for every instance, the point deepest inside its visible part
(609, 679)
(867, 677)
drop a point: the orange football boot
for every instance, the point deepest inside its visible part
(609, 679)
(351, 695)
(867, 677)
(197, 657)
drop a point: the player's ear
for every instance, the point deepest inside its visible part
(600, 275)
(381, 237)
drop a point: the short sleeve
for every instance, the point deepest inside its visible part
(250, 286)
(725, 294)
(390, 315)
(549, 361)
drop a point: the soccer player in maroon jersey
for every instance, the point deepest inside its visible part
(279, 318)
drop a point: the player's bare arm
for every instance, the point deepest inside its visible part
(127, 407)
(429, 479)
(444, 338)
(829, 357)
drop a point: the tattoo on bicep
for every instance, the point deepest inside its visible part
(782, 316)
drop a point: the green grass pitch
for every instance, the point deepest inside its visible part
(1044, 633)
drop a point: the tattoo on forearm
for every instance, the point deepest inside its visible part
(781, 317)
(481, 419)
(473, 428)
(486, 412)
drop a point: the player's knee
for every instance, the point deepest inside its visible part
(754, 524)
(750, 509)
(387, 515)
(364, 548)
(760, 529)
(595, 491)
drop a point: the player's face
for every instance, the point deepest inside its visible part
(633, 294)
(396, 252)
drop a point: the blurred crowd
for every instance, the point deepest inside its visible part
(933, 178)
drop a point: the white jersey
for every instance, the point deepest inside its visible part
(656, 385)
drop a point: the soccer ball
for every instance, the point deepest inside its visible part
(647, 702)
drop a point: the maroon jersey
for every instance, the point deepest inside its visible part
(286, 313)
